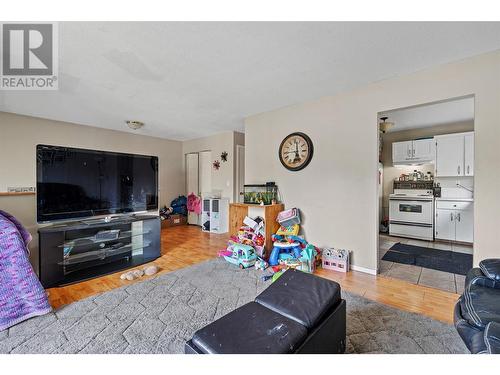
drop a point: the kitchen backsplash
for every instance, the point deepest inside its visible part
(449, 188)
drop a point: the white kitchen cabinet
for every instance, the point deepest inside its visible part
(450, 155)
(411, 152)
(455, 155)
(464, 224)
(401, 152)
(445, 225)
(469, 154)
(424, 149)
(454, 221)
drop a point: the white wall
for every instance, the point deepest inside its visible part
(337, 192)
(224, 178)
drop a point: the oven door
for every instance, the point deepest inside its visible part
(410, 211)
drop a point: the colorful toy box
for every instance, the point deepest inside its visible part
(335, 259)
(289, 217)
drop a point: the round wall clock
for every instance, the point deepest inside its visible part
(296, 151)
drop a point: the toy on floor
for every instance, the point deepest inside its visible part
(261, 264)
(135, 274)
(308, 259)
(283, 250)
(335, 259)
(242, 255)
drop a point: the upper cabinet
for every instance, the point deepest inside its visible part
(455, 155)
(469, 154)
(401, 151)
(413, 152)
(424, 150)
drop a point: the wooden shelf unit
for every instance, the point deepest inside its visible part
(13, 194)
(238, 211)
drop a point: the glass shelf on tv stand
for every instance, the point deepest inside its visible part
(101, 254)
(123, 236)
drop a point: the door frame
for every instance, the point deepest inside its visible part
(237, 184)
(377, 137)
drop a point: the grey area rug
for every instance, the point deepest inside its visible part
(158, 315)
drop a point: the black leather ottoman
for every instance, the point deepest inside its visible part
(298, 313)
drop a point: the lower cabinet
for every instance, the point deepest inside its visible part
(454, 221)
(464, 224)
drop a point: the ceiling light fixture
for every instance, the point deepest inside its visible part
(385, 125)
(134, 125)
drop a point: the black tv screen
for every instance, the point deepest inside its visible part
(78, 183)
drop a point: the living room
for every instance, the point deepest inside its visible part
(156, 200)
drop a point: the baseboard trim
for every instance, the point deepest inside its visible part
(363, 269)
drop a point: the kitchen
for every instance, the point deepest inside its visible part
(426, 169)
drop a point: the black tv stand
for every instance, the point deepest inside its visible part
(71, 253)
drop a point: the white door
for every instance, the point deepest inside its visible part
(464, 221)
(450, 155)
(401, 151)
(424, 149)
(205, 165)
(445, 224)
(240, 172)
(192, 182)
(469, 154)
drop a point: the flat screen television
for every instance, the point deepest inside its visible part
(77, 183)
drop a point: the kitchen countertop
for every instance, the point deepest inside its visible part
(455, 199)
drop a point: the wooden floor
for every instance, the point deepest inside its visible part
(183, 246)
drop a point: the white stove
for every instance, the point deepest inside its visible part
(411, 213)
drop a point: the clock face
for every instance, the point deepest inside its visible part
(296, 151)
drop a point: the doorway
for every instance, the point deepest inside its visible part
(426, 193)
(198, 178)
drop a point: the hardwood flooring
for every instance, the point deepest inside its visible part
(183, 246)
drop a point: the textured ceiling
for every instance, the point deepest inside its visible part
(187, 80)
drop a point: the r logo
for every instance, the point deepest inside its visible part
(27, 49)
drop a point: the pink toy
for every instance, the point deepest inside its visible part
(224, 253)
(194, 203)
(335, 259)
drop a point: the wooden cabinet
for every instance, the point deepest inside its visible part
(238, 211)
(411, 152)
(455, 155)
(454, 221)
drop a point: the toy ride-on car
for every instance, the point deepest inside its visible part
(243, 256)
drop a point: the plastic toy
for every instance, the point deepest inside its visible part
(291, 230)
(224, 253)
(277, 275)
(308, 259)
(289, 217)
(261, 264)
(284, 250)
(242, 255)
(335, 259)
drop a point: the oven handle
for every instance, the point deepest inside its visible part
(411, 224)
(412, 199)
